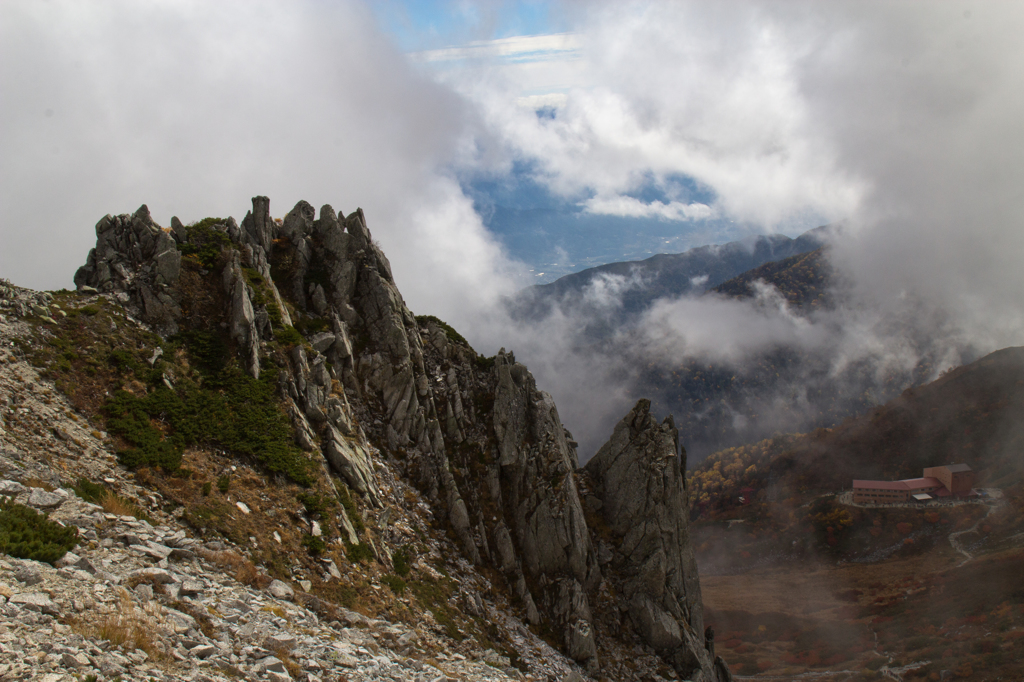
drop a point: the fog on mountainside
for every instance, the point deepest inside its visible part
(734, 361)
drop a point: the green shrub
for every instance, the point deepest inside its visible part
(288, 336)
(207, 488)
(274, 313)
(396, 584)
(229, 410)
(204, 243)
(223, 483)
(358, 553)
(307, 326)
(485, 363)
(123, 360)
(316, 505)
(313, 544)
(400, 560)
(449, 331)
(26, 534)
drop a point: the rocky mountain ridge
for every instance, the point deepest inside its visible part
(377, 399)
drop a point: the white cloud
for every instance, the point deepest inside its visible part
(540, 48)
(631, 207)
(194, 107)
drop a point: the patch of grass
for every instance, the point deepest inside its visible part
(214, 515)
(449, 331)
(434, 595)
(235, 564)
(129, 628)
(89, 491)
(350, 506)
(115, 504)
(27, 534)
(223, 483)
(396, 584)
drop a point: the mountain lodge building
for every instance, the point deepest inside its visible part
(956, 480)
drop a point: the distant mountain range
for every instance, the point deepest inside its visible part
(717, 405)
(640, 283)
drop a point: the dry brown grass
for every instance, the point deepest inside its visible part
(129, 628)
(234, 564)
(38, 483)
(114, 504)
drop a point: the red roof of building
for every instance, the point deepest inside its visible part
(906, 484)
(917, 483)
(880, 485)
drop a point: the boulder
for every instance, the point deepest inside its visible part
(280, 590)
(43, 499)
(35, 601)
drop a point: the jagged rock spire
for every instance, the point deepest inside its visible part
(638, 479)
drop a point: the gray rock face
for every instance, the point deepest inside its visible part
(136, 257)
(349, 459)
(241, 315)
(537, 465)
(638, 478)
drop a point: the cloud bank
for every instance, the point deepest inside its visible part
(901, 120)
(194, 107)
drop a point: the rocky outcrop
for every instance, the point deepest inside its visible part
(139, 262)
(639, 491)
(538, 494)
(372, 390)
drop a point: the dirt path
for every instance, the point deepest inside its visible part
(954, 538)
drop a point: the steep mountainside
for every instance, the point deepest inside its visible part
(277, 358)
(970, 415)
(668, 274)
(803, 279)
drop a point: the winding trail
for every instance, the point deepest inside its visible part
(954, 538)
